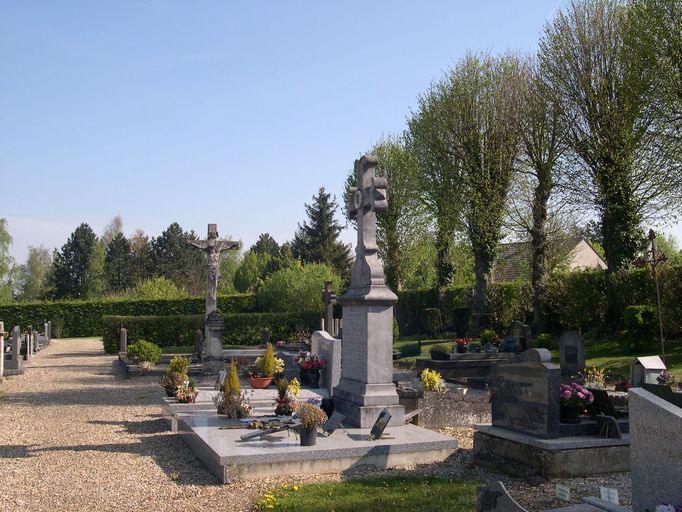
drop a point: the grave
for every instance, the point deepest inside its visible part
(329, 349)
(571, 353)
(526, 427)
(646, 370)
(14, 359)
(365, 390)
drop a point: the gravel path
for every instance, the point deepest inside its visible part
(75, 435)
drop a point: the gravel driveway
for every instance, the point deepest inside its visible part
(75, 435)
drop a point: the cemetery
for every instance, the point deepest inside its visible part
(481, 313)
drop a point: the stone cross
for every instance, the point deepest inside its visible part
(328, 297)
(212, 246)
(123, 340)
(368, 198)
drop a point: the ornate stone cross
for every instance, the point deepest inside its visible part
(368, 198)
(328, 297)
(212, 246)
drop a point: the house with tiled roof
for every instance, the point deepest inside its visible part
(514, 260)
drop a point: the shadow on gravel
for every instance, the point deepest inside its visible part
(64, 355)
(155, 426)
(167, 450)
(14, 451)
(145, 395)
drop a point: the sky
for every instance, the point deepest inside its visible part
(225, 112)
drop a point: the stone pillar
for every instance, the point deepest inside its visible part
(16, 343)
(214, 338)
(2, 353)
(27, 344)
(123, 340)
(46, 330)
(198, 343)
(49, 330)
(329, 349)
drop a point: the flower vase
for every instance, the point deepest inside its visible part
(314, 377)
(461, 349)
(308, 436)
(570, 413)
(303, 376)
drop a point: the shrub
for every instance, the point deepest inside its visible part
(157, 288)
(411, 349)
(267, 363)
(543, 340)
(432, 380)
(441, 348)
(144, 351)
(641, 324)
(410, 309)
(311, 415)
(179, 364)
(488, 336)
(232, 385)
(433, 322)
(396, 330)
(296, 288)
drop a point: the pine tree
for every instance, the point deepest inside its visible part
(117, 264)
(317, 240)
(174, 259)
(72, 262)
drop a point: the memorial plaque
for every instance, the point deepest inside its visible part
(380, 425)
(571, 355)
(563, 492)
(608, 494)
(333, 423)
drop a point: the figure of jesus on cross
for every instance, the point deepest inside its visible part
(212, 246)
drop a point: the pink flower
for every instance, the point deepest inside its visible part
(566, 393)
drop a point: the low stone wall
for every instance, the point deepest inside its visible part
(459, 407)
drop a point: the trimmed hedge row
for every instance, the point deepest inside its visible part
(74, 318)
(240, 328)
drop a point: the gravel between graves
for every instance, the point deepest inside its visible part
(75, 435)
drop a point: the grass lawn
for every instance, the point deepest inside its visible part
(394, 494)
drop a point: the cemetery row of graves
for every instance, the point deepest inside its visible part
(336, 401)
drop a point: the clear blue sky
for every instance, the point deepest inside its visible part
(214, 111)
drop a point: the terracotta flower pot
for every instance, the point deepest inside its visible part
(260, 382)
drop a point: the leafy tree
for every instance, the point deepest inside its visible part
(6, 263)
(229, 263)
(251, 271)
(157, 288)
(72, 262)
(317, 240)
(484, 139)
(176, 260)
(440, 181)
(32, 276)
(297, 288)
(404, 219)
(606, 91)
(117, 264)
(96, 283)
(140, 257)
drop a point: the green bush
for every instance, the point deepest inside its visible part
(85, 318)
(543, 340)
(144, 351)
(240, 328)
(297, 288)
(396, 330)
(179, 364)
(434, 326)
(441, 348)
(641, 324)
(410, 310)
(157, 288)
(488, 336)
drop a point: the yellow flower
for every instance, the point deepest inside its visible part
(285, 486)
(269, 506)
(295, 487)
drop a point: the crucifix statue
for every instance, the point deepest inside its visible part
(212, 246)
(328, 297)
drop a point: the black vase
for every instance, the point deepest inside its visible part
(308, 436)
(303, 376)
(313, 377)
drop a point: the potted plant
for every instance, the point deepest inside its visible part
(185, 393)
(286, 401)
(666, 378)
(261, 374)
(475, 345)
(231, 401)
(171, 380)
(311, 417)
(309, 365)
(462, 344)
(440, 352)
(573, 398)
(432, 381)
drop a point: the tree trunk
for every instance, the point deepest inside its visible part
(443, 264)
(481, 267)
(538, 240)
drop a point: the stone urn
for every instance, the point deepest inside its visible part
(260, 382)
(308, 436)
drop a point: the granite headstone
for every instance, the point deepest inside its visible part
(571, 353)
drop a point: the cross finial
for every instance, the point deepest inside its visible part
(370, 194)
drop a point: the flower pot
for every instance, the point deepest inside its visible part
(461, 349)
(308, 436)
(303, 376)
(475, 348)
(170, 392)
(260, 382)
(570, 413)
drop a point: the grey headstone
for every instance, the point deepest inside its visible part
(525, 394)
(329, 349)
(571, 353)
(221, 379)
(655, 450)
(123, 341)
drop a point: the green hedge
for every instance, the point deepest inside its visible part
(240, 328)
(84, 318)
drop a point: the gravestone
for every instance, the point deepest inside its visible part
(123, 341)
(2, 353)
(655, 450)
(571, 353)
(329, 297)
(366, 386)
(646, 370)
(329, 349)
(198, 343)
(522, 335)
(49, 330)
(525, 394)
